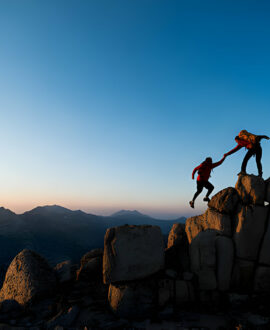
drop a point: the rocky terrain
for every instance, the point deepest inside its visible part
(214, 273)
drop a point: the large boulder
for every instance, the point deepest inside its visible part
(251, 189)
(250, 227)
(203, 259)
(262, 280)
(264, 257)
(194, 226)
(225, 201)
(132, 252)
(211, 219)
(28, 278)
(133, 300)
(225, 257)
(176, 254)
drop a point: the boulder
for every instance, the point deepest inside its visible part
(225, 201)
(203, 259)
(262, 280)
(28, 278)
(218, 221)
(176, 254)
(194, 226)
(243, 275)
(225, 257)
(91, 265)
(92, 269)
(251, 189)
(211, 219)
(264, 257)
(250, 227)
(177, 235)
(95, 253)
(133, 300)
(132, 252)
(64, 271)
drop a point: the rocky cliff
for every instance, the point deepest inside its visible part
(218, 261)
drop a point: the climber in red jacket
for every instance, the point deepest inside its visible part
(204, 170)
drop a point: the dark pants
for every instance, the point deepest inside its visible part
(200, 186)
(256, 150)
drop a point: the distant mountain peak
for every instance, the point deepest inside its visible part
(129, 213)
(50, 209)
(6, 211)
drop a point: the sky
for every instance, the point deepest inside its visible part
(109, 105)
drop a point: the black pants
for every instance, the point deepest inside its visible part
(200, 186)
(256, 150)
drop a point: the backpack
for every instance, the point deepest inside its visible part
(245, 135)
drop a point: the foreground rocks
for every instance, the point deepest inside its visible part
(132, 252)
(28, 277)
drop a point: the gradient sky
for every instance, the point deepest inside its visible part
(106, 105)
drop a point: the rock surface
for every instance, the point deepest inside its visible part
(64, 271)
(133, 300)
(264, 257)
(218, 221)
(225, 257)
(225, 201)
(132, 252)
(203, 259)
(28, 278)
(194, 226)
(262, 280)
(176, 254)
(267, 194)
(250, 227)
(242, 276)
(251, 189)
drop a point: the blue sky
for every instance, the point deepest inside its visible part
(107, 105)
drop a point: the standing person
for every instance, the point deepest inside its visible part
(204, 170)
(252, 143)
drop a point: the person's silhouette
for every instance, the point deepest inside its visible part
(204, 170)
(252, 143)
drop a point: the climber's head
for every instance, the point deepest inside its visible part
(208, 160)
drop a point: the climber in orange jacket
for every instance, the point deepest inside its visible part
(204, 170)
(254, 148)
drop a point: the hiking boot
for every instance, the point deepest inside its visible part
(191, 203)
(206, 199)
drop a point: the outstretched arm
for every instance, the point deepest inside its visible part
(218, 163)
(238, 147)
(260, 137)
